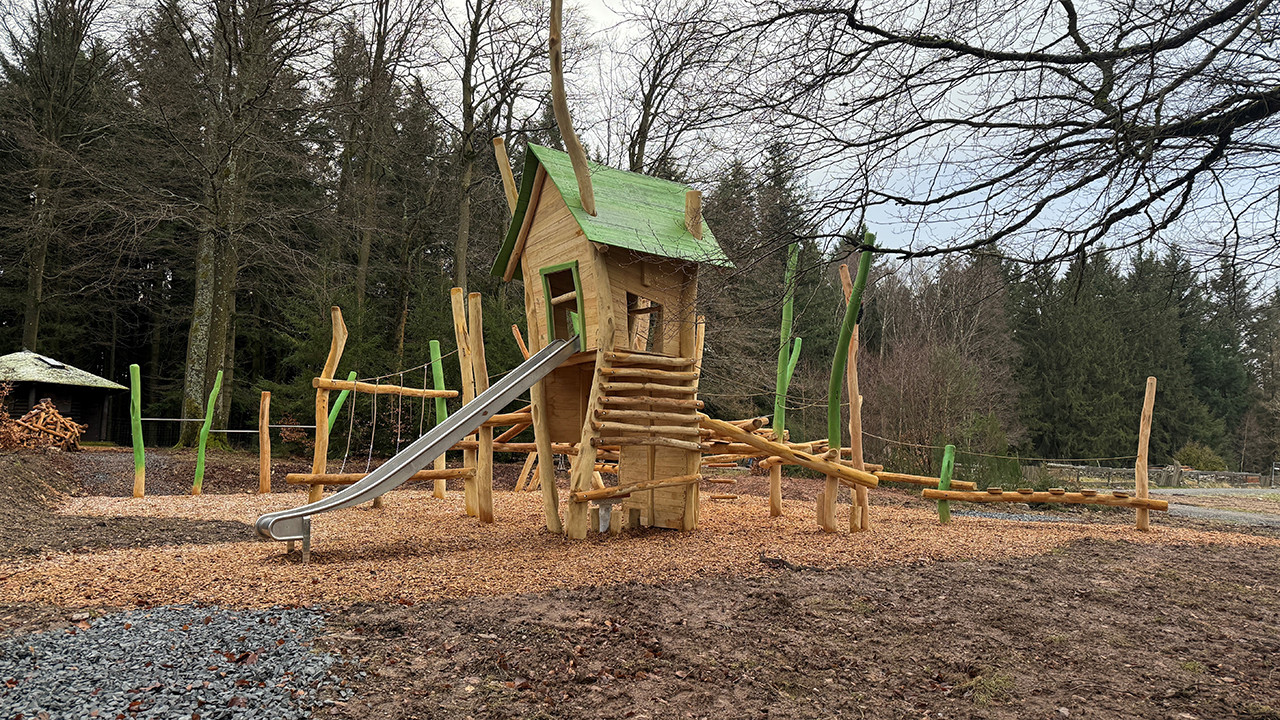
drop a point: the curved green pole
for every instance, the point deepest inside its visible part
(944, 482)
(337, 404)
(135, 422)
(786, 356)
(842, 345)
(204, 435)
(437, 381)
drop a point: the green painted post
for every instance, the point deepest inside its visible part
(437, 381)
(135, 421)
(944, 482)
(786, 357)
(842, 345)
(337, 404)
(197, 486)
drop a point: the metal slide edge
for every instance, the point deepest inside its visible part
(290, 524)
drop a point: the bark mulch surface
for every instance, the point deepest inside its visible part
(1097, 629)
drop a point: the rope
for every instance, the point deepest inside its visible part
(399, 414)
(373, 432)
(1000, 457)
(401, 373)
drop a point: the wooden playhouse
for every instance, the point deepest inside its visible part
(625, 281)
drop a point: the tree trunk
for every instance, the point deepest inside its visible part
(464, 215)
(38, 259)
(194, 374)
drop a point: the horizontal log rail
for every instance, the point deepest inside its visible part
(636, 372)
(662, 430)
(622, 491)
(631, 358)
(352, 478)
(1121, 500)
(922, 480)
(643, 401)
(372, 389)
(650, 441)
(649, 415)
(613, 387)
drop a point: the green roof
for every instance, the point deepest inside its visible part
(633, 211)
(26, 366)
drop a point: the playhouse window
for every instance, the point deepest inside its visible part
(644, 324)
(563, 291)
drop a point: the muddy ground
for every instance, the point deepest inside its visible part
(1098, 630)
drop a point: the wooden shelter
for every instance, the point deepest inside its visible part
(76, 393)
(625, 281)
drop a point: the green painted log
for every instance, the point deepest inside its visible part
(198, 485)
(944, 482)
(437, 382)
(337, 404)
(786, 357)
(135, 422)
(841, 360)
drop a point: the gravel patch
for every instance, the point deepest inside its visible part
(1016, 516)
(176, 661)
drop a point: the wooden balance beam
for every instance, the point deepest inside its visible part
(931, 482)
(1116, 499)
(846, 475)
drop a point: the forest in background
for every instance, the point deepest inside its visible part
(194, 191)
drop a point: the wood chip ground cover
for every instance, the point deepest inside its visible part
(418, 548)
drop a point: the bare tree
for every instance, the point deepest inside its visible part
(1047, 129)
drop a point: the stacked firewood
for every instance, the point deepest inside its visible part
(43, 427)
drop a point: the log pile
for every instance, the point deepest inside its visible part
(43, 427)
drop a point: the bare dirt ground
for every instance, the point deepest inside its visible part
(445, 618)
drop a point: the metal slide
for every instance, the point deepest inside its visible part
(295, 524)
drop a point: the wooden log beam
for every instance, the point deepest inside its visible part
(922, 480)
(643, 401)
(796, 457)
(337, 342)
(352, 478)
(372, 389)
(615, 387)
(650, 374)
(646, 415)
(514, 431)
(646, 441)
(1046, 497)
(507, 419)
(662, 430)
(606, 493)
(569, 297)
(636, 358)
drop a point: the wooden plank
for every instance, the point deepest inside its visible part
(504, 168)
(522, 237)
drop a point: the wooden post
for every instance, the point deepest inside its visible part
(198, 486)
(458, 297)
(860, 516)
(504, 168)
(480, 369)
(775, 490)
(337, 343)
(442, 412)
(264, 443)
(693, 212)
(545, 475)
(838, 365)
(135, 424)
(1144, 437)
(560, 106)
(944, 482)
